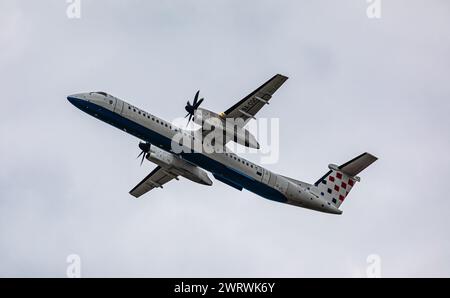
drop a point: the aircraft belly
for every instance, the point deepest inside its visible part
(201, 160)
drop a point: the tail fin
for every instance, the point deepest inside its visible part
(336, 184)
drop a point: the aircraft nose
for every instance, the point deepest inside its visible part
(75, 99)
(71, 99)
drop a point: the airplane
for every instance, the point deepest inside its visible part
(325, 195)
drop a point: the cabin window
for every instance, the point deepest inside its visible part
(157, 121)
(334, 201)
(110, 102)
(258, 173)
(329, 190)
(129, 107)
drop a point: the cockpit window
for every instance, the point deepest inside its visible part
(102, 93)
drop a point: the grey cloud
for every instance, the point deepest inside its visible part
(355, 85)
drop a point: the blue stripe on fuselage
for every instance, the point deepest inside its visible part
(201, 160)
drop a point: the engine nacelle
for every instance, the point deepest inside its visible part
(232, 131)
(161, 158)
(201, 115)
(177, 165)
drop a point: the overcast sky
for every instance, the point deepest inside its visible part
(355, 84)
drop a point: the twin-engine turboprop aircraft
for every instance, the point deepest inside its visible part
(325, 195)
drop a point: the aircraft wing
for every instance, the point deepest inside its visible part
(252, 103)
(157, 178)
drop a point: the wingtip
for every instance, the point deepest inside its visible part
(371, 155)
(282, 76)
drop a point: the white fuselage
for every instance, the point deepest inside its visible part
(227, 167)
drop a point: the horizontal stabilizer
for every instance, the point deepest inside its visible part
(358, 164)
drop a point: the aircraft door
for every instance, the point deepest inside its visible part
(266, 176)
(281, 184)
(118, 106)
(292, 191)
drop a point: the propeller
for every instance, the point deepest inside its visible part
(145, 147)
(190, 108)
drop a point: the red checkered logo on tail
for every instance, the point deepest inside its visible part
(336, 187)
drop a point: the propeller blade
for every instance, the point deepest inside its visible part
(198, 103)
(196, 98)
(143, 156)
(190, 108)
(140, 154)
(190, 117)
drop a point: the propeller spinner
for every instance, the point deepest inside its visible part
(145, 147)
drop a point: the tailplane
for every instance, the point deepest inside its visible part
(336, 184)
